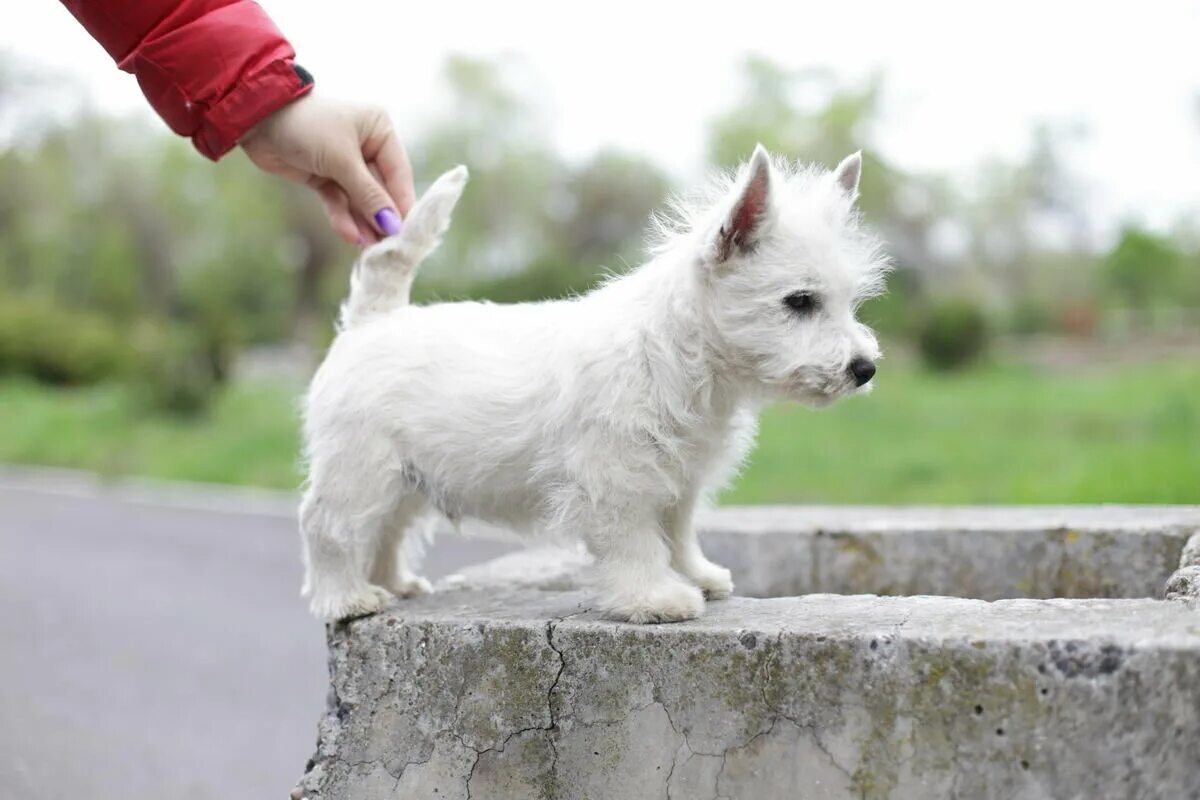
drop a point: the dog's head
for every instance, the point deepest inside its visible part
(784, 266)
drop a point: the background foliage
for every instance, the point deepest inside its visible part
(137, 279)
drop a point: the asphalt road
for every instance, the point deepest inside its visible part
(154, 645)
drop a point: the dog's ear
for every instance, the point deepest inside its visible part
(848, 172)
(750, 210)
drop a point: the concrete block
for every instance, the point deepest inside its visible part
(506, 684)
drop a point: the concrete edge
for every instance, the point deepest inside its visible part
(183, 495)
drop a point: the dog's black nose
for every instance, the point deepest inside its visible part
(863, 370)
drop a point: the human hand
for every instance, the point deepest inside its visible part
(348, 154)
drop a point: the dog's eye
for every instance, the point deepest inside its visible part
(802, 302)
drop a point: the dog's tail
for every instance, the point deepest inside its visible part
(384, 273)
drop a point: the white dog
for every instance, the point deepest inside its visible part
(610, 416)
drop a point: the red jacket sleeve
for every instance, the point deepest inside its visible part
(210, 68)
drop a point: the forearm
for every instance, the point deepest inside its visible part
(211, 69)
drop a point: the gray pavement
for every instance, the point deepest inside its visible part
(153, 643)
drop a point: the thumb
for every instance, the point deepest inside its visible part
(367, 196)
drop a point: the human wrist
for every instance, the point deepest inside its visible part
(269, 112)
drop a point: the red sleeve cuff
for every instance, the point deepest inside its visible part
(256, 97)
(210, 68)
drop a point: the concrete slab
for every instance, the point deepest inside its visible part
(507, 684)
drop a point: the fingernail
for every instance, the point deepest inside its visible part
(388, 221)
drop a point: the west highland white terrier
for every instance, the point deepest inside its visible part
(611, 416)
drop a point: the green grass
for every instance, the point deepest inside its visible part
(992, 435)
(249, 437)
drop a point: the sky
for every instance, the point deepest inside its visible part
(965, 82)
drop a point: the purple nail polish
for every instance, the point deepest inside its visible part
(388, 221)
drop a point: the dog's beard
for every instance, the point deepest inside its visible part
(819, 388)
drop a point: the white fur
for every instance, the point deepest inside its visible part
(610, 416)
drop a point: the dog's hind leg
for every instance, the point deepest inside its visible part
(397, 549)
(340, 547)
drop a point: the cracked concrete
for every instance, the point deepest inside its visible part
(501, 688)
(845, 696)
(1184, 583)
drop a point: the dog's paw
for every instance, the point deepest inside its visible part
(409, 586)
(334, 606)
(716, 582)
(667, 601)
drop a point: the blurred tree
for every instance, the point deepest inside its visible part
(810, 117)
(1024, 217)
(137, 204)
(953, 334)
(833, 123)
(601, 213)
(34, 100)
(529, 226)
(608, 207)
(501, 221)
(1146, 271)
(314, 253)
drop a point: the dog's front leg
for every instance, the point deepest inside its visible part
(686, 556)
(635, 564)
